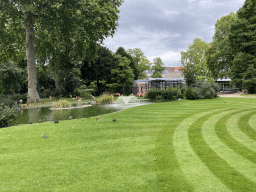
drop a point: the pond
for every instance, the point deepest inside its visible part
(44, 114)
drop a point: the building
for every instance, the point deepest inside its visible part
(169, 72)
(140, 87)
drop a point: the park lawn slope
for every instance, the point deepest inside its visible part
(171, 146)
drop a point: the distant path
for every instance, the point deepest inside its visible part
(232, 95)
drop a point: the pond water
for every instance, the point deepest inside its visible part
(45, 114)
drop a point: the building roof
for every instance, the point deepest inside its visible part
(228, 79)
(166, 79)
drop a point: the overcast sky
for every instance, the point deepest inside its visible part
(163, 28)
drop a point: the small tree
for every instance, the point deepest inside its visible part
(141, 62)
(158, 67)
(122, 76)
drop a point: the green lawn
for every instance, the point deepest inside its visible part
(203, 145)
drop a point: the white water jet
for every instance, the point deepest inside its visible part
(126, 99)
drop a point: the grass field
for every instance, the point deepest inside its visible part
(203, 145)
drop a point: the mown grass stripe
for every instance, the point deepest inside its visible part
(245, 126)
(219, 167)
(193, 168)
(244, 166)
(225, 136)
(252, 122)
(237, 134)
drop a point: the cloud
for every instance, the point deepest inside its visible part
(163, 28)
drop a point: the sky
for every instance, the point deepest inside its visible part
(163, 28)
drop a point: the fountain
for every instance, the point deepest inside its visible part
(126, 99)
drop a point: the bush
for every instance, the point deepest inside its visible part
(62, 103)
(250, 85)
(153, 93)
(105, 98)
(206, 90)
(83, 92)
(191, 94)
(169, 93)
(7, 114)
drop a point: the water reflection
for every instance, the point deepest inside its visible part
(45, 114)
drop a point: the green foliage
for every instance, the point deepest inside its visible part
(105, 98)
(66, 32)
(193, 61)
(169, 93)
(52, 93)
(122, 76)
(99, 71)
(83, 92)
(153, 93)
(62, 103)
(206, 90)
(242, 40)
(141, 62)
(250, 85)
(11, 77)
(7, 113)
(202, 90)
(121, 51)
(10, 100)
(220, 54)
(191, 93)
(158, 67)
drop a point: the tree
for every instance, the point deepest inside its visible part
(100, 69)
(122, 76)
(193, 61)
(121, 51)
(93, 20)
(220, 54)
(11, 77)
(158, 67)
(242, 38)
(141, 62)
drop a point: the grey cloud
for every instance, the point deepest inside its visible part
(162, 27)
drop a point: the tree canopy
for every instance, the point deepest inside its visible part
(141, 62)
(51, 26)
(220, 54)
(242, 39)
(100, 69)
(158, 67)
(122, 75)
(193, 61)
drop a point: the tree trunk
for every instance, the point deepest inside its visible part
(33, 95)
(56, 80)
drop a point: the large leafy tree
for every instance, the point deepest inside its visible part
(193, 61)
(121, 51)
(158, 67)
(122, 75)
(77, 24)
(220, 54)
(141, 62)
(11, 77)
(242, 39)
(100, 69)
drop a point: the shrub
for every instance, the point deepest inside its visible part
(105, 98)
(84, 93)
(62, 103)
(191, 93)
(169, 93)
(206, 90)
(7, 114)
(153, 93)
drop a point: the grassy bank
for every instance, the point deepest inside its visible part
(203, 145)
